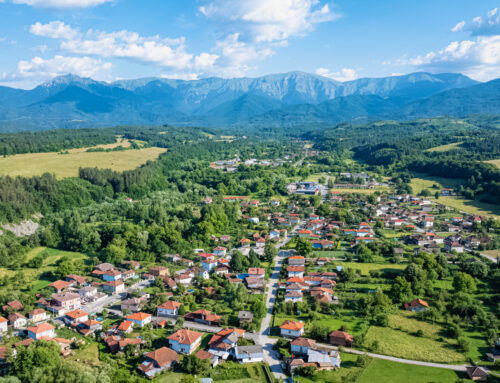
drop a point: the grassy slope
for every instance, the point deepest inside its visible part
(494, 162)
(66, 165)
(444, 148)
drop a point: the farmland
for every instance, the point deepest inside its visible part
(66, 164)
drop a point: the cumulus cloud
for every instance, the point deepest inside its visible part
(53, 30)
(486, 25)
(124, 44)
(61, 3)
(38, 69)
(268, 20)
(345, 74)
(478, 58)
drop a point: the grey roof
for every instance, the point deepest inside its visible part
(253, 349)
(245, 315)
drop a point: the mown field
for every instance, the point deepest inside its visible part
(359, 191)
(459, 203)
(365, 268)
(67, 165)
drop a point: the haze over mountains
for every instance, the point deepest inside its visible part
(287, 100)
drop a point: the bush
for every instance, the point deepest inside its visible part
(362, 361)
(419, 333)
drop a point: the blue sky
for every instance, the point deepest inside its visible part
(189, 39)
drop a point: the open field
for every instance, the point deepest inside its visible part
(444, 148)
(37, 277)
(67, 165)
(494, 162)
(385, 371)
(227, 373)
(365, 268)
(472, 207)
(399, 340)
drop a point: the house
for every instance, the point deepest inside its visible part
(134, 304)
(13, 305)
(296, 260)
(126, 327)
(274, 234)
(452, 245)
(17, 320)
(132, 265)
(302, 345)
(88, 292)
(114, 287)
(249, 354)
(183, 279)
(256, 272)
(323, 359)
(208, 264)
(104, 267)
(76, 316)
(64, 302)
(59, 286)
(245, 317)
(158, 271)
(416, 305)
(158, 361)
(140, 319)
(89, 327)
(295, 271)
(255, 283)
(261, 242)
(477, 374)
(76, 280)
(293, 296)
(128, 274)
(3, 325)
(203, 316)
(220, 251)
(115, 343)
(111, 275)
(169, 309)
(206, 355)
(42, 330)
(223, 343)
(292, 329)
(341, 338)
(304, 233)
(185, 341)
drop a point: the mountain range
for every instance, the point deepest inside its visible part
(285, 100)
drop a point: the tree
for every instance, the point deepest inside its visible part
(194, 365)
(400, 290)
(463, 282)
(238, 262)
(303, 247)
(307, 371)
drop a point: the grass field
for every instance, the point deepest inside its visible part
(444, 148)
(228, 373)
(67, 165)
(399, 340)
(384, 371)
(365, 268)
(38, 277)
(494, 162)
(462, 204)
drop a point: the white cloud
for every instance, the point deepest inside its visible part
(62, 3)
(478, 58)
(39, 69)
(487, 25)
(268, 20)
(345, 74)
(124, 44)
(53, 30)
(458, 27)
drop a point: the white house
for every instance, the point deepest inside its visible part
(185, 341)
(169, 309)
(249, 354)
(42, 330)
(140, 319)
(292, 329)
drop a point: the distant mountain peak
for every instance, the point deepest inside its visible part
(69, 79)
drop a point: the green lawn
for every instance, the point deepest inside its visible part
(444, 148)
(228, 372)
(384, 371)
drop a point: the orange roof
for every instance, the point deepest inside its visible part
(292, 325)
(125, 325)
(59, 285)
(295, 268)
(185, 336)
(295, 280)
(75, 314)
(296, 257)
(138, 316)
(41, 328)
(2, 319)
(256, 270)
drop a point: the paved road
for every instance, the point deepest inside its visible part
(271, 355)
(491, 258)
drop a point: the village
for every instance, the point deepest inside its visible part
(297, 253)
